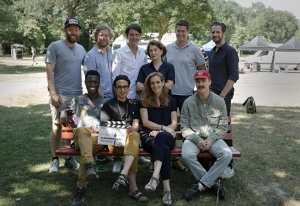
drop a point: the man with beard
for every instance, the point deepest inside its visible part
(63, 68)
(204, 124)
(224, 71)
(99, 58)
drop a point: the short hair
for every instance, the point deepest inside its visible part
(183, 22)
(103, 27)
(92, 72)
(134, 27)
(217, 23)
(160, 45)
(121, 77)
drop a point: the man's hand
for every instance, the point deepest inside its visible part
(204, 145)
(55, 100)
(208, 145)
(128, 128)
(63, 118)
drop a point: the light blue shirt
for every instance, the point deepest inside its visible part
(95, 59)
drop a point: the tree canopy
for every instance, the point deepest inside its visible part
(40, 22)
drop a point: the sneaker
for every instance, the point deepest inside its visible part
(72, 163)
(143, 160)
(217, 190)
(191, 192)
(90, 172)
(227, 173)
(54, 166)
(78, 197)
(117, 167)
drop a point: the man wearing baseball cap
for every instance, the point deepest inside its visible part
(63, 68)
(204, 124)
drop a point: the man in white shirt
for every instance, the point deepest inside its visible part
(129, 59)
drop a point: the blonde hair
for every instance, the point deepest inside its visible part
(148, 98)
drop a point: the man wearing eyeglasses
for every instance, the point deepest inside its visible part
(224, 71)
(120, 108)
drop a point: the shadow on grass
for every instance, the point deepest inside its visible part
(265, 174)
(17, 69)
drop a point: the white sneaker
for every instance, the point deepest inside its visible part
(54, 166)
(143, 160)
(227, 173)
(117, 167)
(72, 163)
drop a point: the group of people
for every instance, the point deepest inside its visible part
(123, 86)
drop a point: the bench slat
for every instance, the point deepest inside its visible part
(176, 152)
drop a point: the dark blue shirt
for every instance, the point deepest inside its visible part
(161, 115)
(223, 65)
(166, 69)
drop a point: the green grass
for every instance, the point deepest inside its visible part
(5, 69)
(266, 174)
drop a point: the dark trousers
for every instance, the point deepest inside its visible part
(179, 100)
(160, 147)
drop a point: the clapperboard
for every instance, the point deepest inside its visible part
(112, 133)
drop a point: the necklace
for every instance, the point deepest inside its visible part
(125, 115)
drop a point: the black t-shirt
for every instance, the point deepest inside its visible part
(114, 110)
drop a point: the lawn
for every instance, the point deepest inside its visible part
(266, 174)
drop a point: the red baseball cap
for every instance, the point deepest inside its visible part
(201, 74)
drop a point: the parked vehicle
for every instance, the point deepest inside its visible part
(283, 60)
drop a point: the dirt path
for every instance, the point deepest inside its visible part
(268, 89)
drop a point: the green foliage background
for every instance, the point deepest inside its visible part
(40, 22)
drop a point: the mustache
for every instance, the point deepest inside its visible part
(201, 87)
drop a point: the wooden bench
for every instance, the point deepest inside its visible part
(67, 133)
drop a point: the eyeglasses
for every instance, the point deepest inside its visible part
(122, 87)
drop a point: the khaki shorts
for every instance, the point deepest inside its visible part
(66, 101)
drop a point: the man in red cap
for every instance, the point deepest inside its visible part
(204, 124)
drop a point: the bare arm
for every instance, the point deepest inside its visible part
(139, 86)
(135, 125)
(50, 79)
(169, 84)
(201, 67)
(227, 88)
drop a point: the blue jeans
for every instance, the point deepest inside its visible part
(219, 150)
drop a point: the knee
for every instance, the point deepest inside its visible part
(187, 153)
(135, 136)
(226, 154)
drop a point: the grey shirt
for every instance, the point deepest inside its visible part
(200, 120)
(67, 71)
(185, 61)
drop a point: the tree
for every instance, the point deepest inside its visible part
(275, 26)
(161, 15)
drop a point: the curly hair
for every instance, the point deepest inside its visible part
(148, 98)
(104, 27)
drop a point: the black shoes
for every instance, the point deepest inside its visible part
(78, 197)
(196, 189)
(90, 172)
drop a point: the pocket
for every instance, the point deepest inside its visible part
(214, 119)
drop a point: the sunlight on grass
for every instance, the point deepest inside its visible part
(38, 168)
(292, 203)
(280, 174)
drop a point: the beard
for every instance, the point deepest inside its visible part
(102, 44)
(218, 39)
(72, 38)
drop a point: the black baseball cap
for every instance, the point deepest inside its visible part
(72, 21)
(124, 77)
